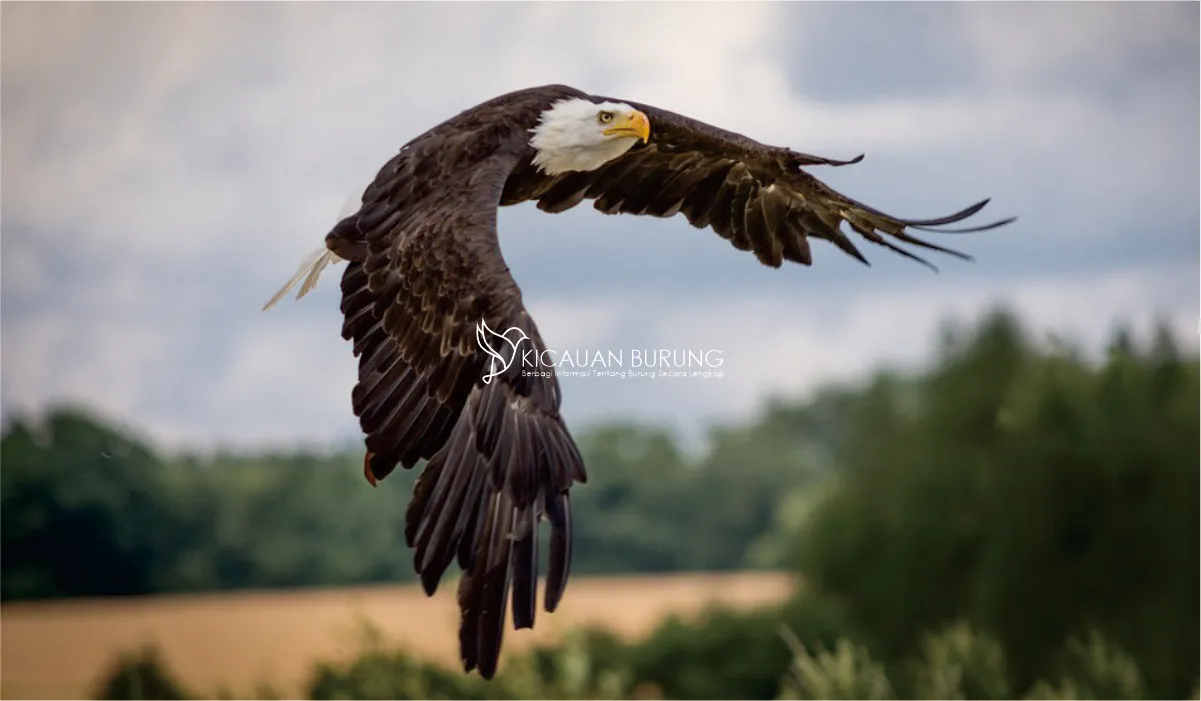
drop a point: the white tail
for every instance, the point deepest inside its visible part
(311, 267)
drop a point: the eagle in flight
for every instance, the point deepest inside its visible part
(425, 273)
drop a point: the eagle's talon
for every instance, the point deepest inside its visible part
(367, 470)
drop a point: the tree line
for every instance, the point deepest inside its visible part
(1045, 503)
(91, 510)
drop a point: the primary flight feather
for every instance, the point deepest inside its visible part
(426, 281)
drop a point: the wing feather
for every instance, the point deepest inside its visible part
(494, 452)
(712, 176)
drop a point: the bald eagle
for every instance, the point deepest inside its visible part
(425, 276)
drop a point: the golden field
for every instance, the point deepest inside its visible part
(239, 640)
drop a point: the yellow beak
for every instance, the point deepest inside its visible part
(633, 123)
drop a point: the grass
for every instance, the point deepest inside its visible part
(241, 640)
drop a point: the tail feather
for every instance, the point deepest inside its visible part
(310, 269)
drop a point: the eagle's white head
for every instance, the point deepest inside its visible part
(576, 134)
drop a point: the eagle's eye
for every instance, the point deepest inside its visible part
(604, 117)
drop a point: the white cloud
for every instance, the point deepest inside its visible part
(790, 346)
(59, 358)
(285, 382)
(136, 133)
(289, 381)
(1017, 44)
(176, 161)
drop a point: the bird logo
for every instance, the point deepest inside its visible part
(498, 364)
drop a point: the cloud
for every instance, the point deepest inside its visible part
(1057, 44)
(790, 345)
(166, 166)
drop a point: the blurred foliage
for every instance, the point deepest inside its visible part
(141, 674)
(1093, 668)
(571, 670)
(955, 663)
(150, 523)
(722, 654)
(848, 672)
(1027, 492)
(1016, 520)
(959, 663)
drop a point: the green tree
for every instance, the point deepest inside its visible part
(1029, 491)
(85, 512)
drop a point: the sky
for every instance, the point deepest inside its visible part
(165, 168)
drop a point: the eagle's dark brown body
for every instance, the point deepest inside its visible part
(426, 268)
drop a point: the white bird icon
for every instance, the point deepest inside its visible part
(482, 336)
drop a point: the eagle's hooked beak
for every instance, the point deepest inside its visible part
(633, 123)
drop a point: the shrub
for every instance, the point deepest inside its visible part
(723, 654)
(960, 663)
(719, 655)
(1093, 668)
(846, 673)
(141, 674)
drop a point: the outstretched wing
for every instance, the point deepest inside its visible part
(753, 195)
(499, 456)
